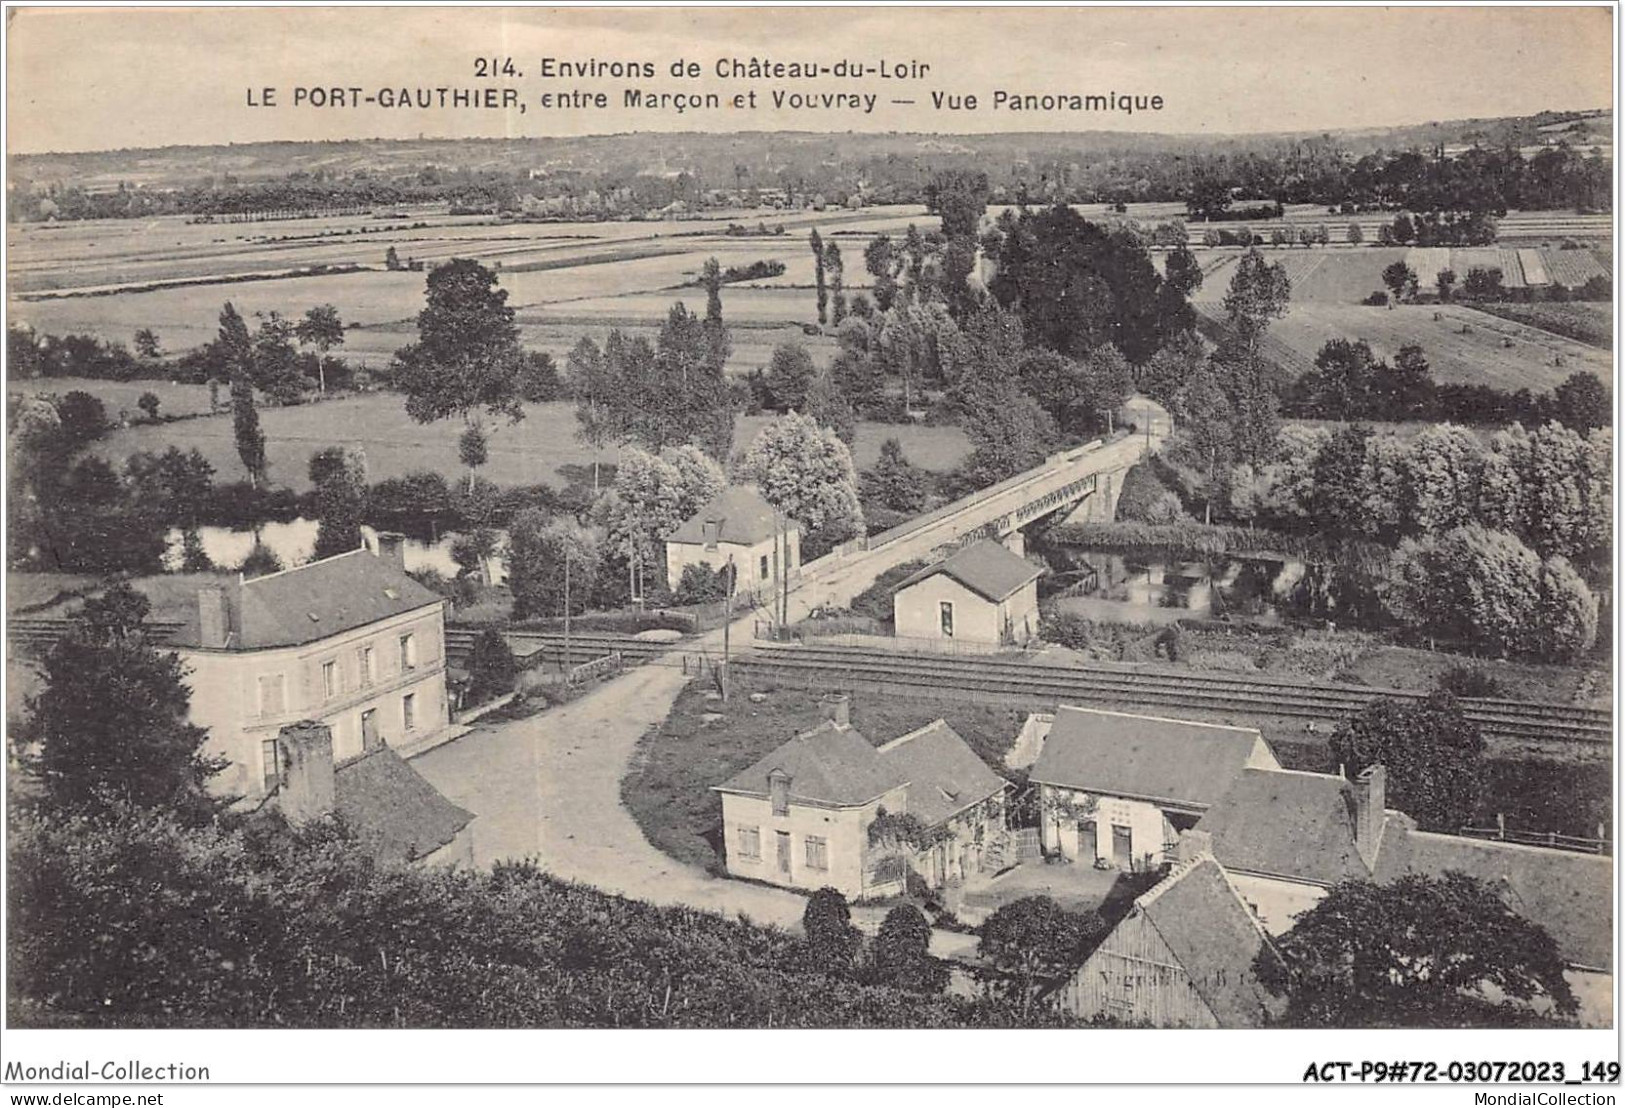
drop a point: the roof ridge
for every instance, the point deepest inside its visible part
(362, 549)
(1059, 708)
(914, 734)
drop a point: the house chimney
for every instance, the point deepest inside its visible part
(212, 625)
(392, 549)
(1193, 844)
(838, 709)
(1370, 799)
(306, 788)
(711, 529)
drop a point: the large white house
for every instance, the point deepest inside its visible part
(981, 593)
(350, 642)
(738, 525)
(805, 816)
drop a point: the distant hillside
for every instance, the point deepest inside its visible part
(714, 158)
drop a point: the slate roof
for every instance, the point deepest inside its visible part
(394, 812)
(1568, 893)
(944, 774)
(985, 567)
(746, 516)
(295, 606)
(1289, 824)
(1117, 754)
(1214, 935)
(829, 765)
(837, 766)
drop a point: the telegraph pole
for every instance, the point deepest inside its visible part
(727, 626)
(567, 611)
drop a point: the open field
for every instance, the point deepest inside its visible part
(1497, 352)
(564, 280)
(529, 452)
(173, 399)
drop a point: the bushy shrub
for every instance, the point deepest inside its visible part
(700, 584)
(1463, 680)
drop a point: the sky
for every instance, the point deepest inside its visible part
(95, 79)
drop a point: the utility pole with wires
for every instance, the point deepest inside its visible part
(566, 666)
(727, 628)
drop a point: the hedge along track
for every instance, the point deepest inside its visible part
(996, 675)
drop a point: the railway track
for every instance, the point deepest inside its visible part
(1079, 683)
(1084, 683)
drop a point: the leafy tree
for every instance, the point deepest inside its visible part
(1037, 943)
(276, 369)
(832, 942)
(711, 281)
(149, 403)
(1445, 282)
(145, 753)
(836, 269)
(321, 328)
(1183, 271)
(884, 261)
(1418, 952)
(473, 450)
(816, 241)
(146, 344)
(960, 198)
(1355, 235)
(1167, 371)
(237, 351)
(339, 476)
(1444, 467)
(806, 472)
(790, 373)
(592, 376)
(1471, 583)
(1581, 403)
(392, 260)
(1341, 482)
(901, 957)
(1566, 615)
(1483, 284)
(1433, 756)
(828, 407)
(1253, 403)
(547, 559)
(1400, 279)
(539, 380)
(1259, 293)
(1554, 483)
(894, 482)
(259, 561)
(1077, 285)
(81, 418)
(1403, 389)
(491, 666)
(1341, 384)
(913, 344)
(467, 356)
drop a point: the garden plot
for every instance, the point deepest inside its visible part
(1572, 268)
(1534, 269)
(1427, 262)
(1465, 260)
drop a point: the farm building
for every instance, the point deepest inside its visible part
(1186, 955)
(806, 815)
(350, 641)
(1118, 789)
(738, 526)
(1286, 836)
(981, 593)
(394, 814)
